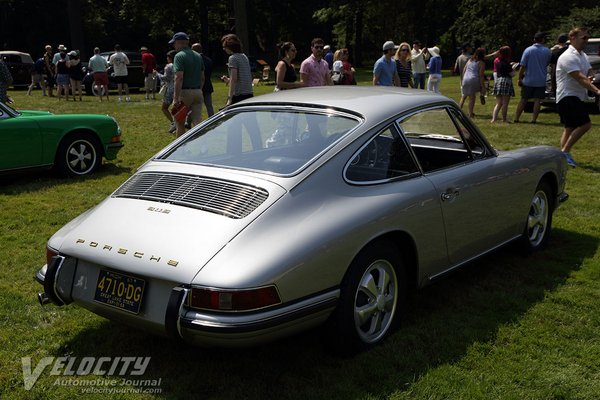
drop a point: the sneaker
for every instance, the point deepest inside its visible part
(482, 100)
(172, 128)
(128, 99)
(147, 98)
(188, 125)
(570, 159)
(120, 99)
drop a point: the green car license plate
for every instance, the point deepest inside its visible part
(120, 291)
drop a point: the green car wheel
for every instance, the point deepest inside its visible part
(78, 155)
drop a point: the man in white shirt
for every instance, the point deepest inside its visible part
(418, 58)
(119, 61)
(572, 83)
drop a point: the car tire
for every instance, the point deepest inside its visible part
(78, 154)
(98, 90)
(372, 294)
(539, 219)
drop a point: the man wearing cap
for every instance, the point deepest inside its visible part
(148, 67)
(314, 71)
(385, 72)
(532, 75)
(189, 79)
(573, 80)
(418, 58)
(120, 61)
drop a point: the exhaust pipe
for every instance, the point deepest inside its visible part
(43, 298)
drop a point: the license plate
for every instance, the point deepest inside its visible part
(120, 291)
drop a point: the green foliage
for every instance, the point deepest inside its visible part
(583, 17)
(360, 25)
(483, 22)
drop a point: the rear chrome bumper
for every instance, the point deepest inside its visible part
(248, 328)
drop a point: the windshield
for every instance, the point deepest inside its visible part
(7, 111)
(280, 141)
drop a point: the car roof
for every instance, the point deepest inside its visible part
(25, 57)
(371, 102)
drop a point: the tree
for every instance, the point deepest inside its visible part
(583, 17)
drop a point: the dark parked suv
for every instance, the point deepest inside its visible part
(20, 65)
(135, 75)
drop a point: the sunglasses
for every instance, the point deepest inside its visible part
(344, 52)
(585, 38)
(403, 49)
(318, 47)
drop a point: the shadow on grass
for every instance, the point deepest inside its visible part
(442, 322)
(32, 181)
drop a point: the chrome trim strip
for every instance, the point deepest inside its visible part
(439, 274)
(40, 276)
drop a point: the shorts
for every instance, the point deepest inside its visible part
(573, 112)
(533, 92)
(503, 86)
(150, 82)
(101, 78)
(37, 78)
(121, 79)
(168, 96)
(63, 79)
(193, 99)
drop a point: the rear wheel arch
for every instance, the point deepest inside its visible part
(552, 181)
(358, 323)
(405, 244)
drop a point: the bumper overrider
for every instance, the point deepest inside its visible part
(207, 328)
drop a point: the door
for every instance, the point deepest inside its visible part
(472, 184)
(20, 142)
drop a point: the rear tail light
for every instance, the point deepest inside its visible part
(50, 252)
(115, 139)
(234, 300)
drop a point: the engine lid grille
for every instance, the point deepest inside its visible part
(233, 200)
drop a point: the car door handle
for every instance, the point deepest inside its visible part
(447, 196)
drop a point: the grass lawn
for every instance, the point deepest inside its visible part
(504, 327)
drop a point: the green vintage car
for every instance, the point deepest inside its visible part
(73, 143)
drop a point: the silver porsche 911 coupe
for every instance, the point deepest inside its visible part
(298, 208)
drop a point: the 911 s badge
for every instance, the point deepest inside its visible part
(159, 210)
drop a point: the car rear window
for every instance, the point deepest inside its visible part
(272, 141)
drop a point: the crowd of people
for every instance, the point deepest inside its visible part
(567, 65)
(187, 76)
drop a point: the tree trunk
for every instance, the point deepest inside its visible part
(359, 35)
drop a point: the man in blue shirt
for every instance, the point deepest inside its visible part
(532, 75)
(385, 72)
